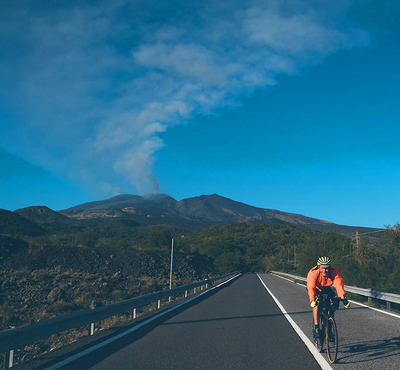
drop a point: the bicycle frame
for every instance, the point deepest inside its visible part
(327, 305)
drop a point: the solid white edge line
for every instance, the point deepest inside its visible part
(318, 357)
(287, 279)
(376, 309)
(129, 331)
(355, 302)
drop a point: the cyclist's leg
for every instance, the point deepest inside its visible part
(316, 328)
(315, 309)
(315, 315)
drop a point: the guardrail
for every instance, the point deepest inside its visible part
(19, 337)
(369, 293)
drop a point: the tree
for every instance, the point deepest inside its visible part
(392, 237)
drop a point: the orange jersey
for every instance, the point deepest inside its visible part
(315, 281)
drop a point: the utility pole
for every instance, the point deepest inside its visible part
(357, 240)
(170, 271)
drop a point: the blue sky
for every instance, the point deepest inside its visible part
(290, 105)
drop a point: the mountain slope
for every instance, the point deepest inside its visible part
(48, 219)
(42, 215)
(14, 224)
(195, 213)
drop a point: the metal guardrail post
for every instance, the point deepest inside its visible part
(91, 325)
(91, 328)
(8, 359)
(158, 304)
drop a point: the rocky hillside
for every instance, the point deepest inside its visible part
(37, 282)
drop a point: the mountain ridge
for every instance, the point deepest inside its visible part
(127, 210)
(206, 210)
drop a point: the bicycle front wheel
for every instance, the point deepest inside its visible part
(331, 339)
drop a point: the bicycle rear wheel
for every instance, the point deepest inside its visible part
(331, 339)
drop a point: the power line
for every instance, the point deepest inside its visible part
(370, 232)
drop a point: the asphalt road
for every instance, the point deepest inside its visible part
(239, 326)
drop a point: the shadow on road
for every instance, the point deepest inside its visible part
(370, 350)
(234, 318)
(292, 314)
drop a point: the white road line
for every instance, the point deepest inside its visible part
(318, 357)
(287, 279)
(129, 331)
(376, 309)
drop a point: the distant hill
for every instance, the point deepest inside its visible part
(16, 225)
(42, 215)
(48, 219)
(196, 213)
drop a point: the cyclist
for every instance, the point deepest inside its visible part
(319, 280)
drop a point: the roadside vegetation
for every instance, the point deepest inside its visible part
(265, 247)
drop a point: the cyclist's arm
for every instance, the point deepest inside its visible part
(311, 284)
(338, 283)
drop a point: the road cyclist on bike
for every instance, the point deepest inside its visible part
(320, 280)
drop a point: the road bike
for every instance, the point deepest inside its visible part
(328, 329)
